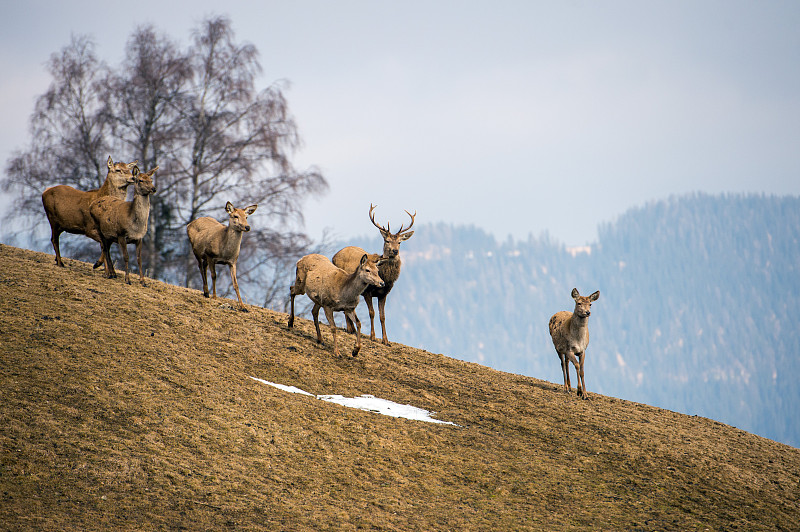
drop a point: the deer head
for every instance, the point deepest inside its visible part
(121, 174)
(238, 217)
(583, 304)
(144, 181)
(391, 241)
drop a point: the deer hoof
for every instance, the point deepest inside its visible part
(244, 309)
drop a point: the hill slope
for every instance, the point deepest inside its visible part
(124, 406)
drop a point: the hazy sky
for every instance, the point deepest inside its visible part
(517, 117)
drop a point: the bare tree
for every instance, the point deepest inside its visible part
(144, 105)
(239, 144)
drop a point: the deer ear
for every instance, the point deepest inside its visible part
(575, 294)
(406, 236)
(152, 172)
(250, 210)
(364, 259)
(135, 171)
(594, 296)
(229, 207)
(109, 162)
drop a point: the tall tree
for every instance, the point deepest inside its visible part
(144, 105)
(239, 141)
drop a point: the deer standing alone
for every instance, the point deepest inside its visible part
(334, 289)
(124, 222)
(214, 243)
(389, 268)
(570, 334)
(67, 208)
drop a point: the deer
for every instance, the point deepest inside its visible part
(570, 334)
(213, 242)
(67, 208)
(333, 289)
(347, 259)
(124, 222)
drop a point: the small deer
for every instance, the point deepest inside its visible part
(347, 259)
(570, 334)
(124, 222)
(334, 289)
(214, 243)
(67, 209)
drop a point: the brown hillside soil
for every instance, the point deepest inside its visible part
(123, 407)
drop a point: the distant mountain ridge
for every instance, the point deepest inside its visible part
(696, 312)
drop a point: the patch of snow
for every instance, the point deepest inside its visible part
(292, 389)
(369, 403)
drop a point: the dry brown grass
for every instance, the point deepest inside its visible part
(124, 407)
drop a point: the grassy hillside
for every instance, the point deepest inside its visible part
(130, 407)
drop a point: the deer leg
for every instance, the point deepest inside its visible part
(381, 305)
(99, 262)
(575, 362)
(123, 245)
(213, 267)
(291, 303)
(203, 264)
(565, 371)
(139, 260)
(329, 315)
(55, 232)
(354, 318)
(297, 289)
(236, 287)
(315, 314)
(571, 358)
(350, 327)
(110, 272)
(582, 391)
(371, 318)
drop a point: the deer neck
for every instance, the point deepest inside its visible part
(231, 241)
(389, 270)
(578, 323)
(139, 213)
(108, 188)
(352, 287)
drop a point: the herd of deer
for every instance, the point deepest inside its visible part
(334, 285)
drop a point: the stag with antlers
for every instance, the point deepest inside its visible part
(389, 269)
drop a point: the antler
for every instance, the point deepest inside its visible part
(372, 217)
(412, 222)
(387, 228)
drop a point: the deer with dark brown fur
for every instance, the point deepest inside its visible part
(124, 222)
(67, 208)
(348, 258)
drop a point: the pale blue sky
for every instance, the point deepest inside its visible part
(517, 117)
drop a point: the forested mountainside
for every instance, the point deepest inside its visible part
(697, 309)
